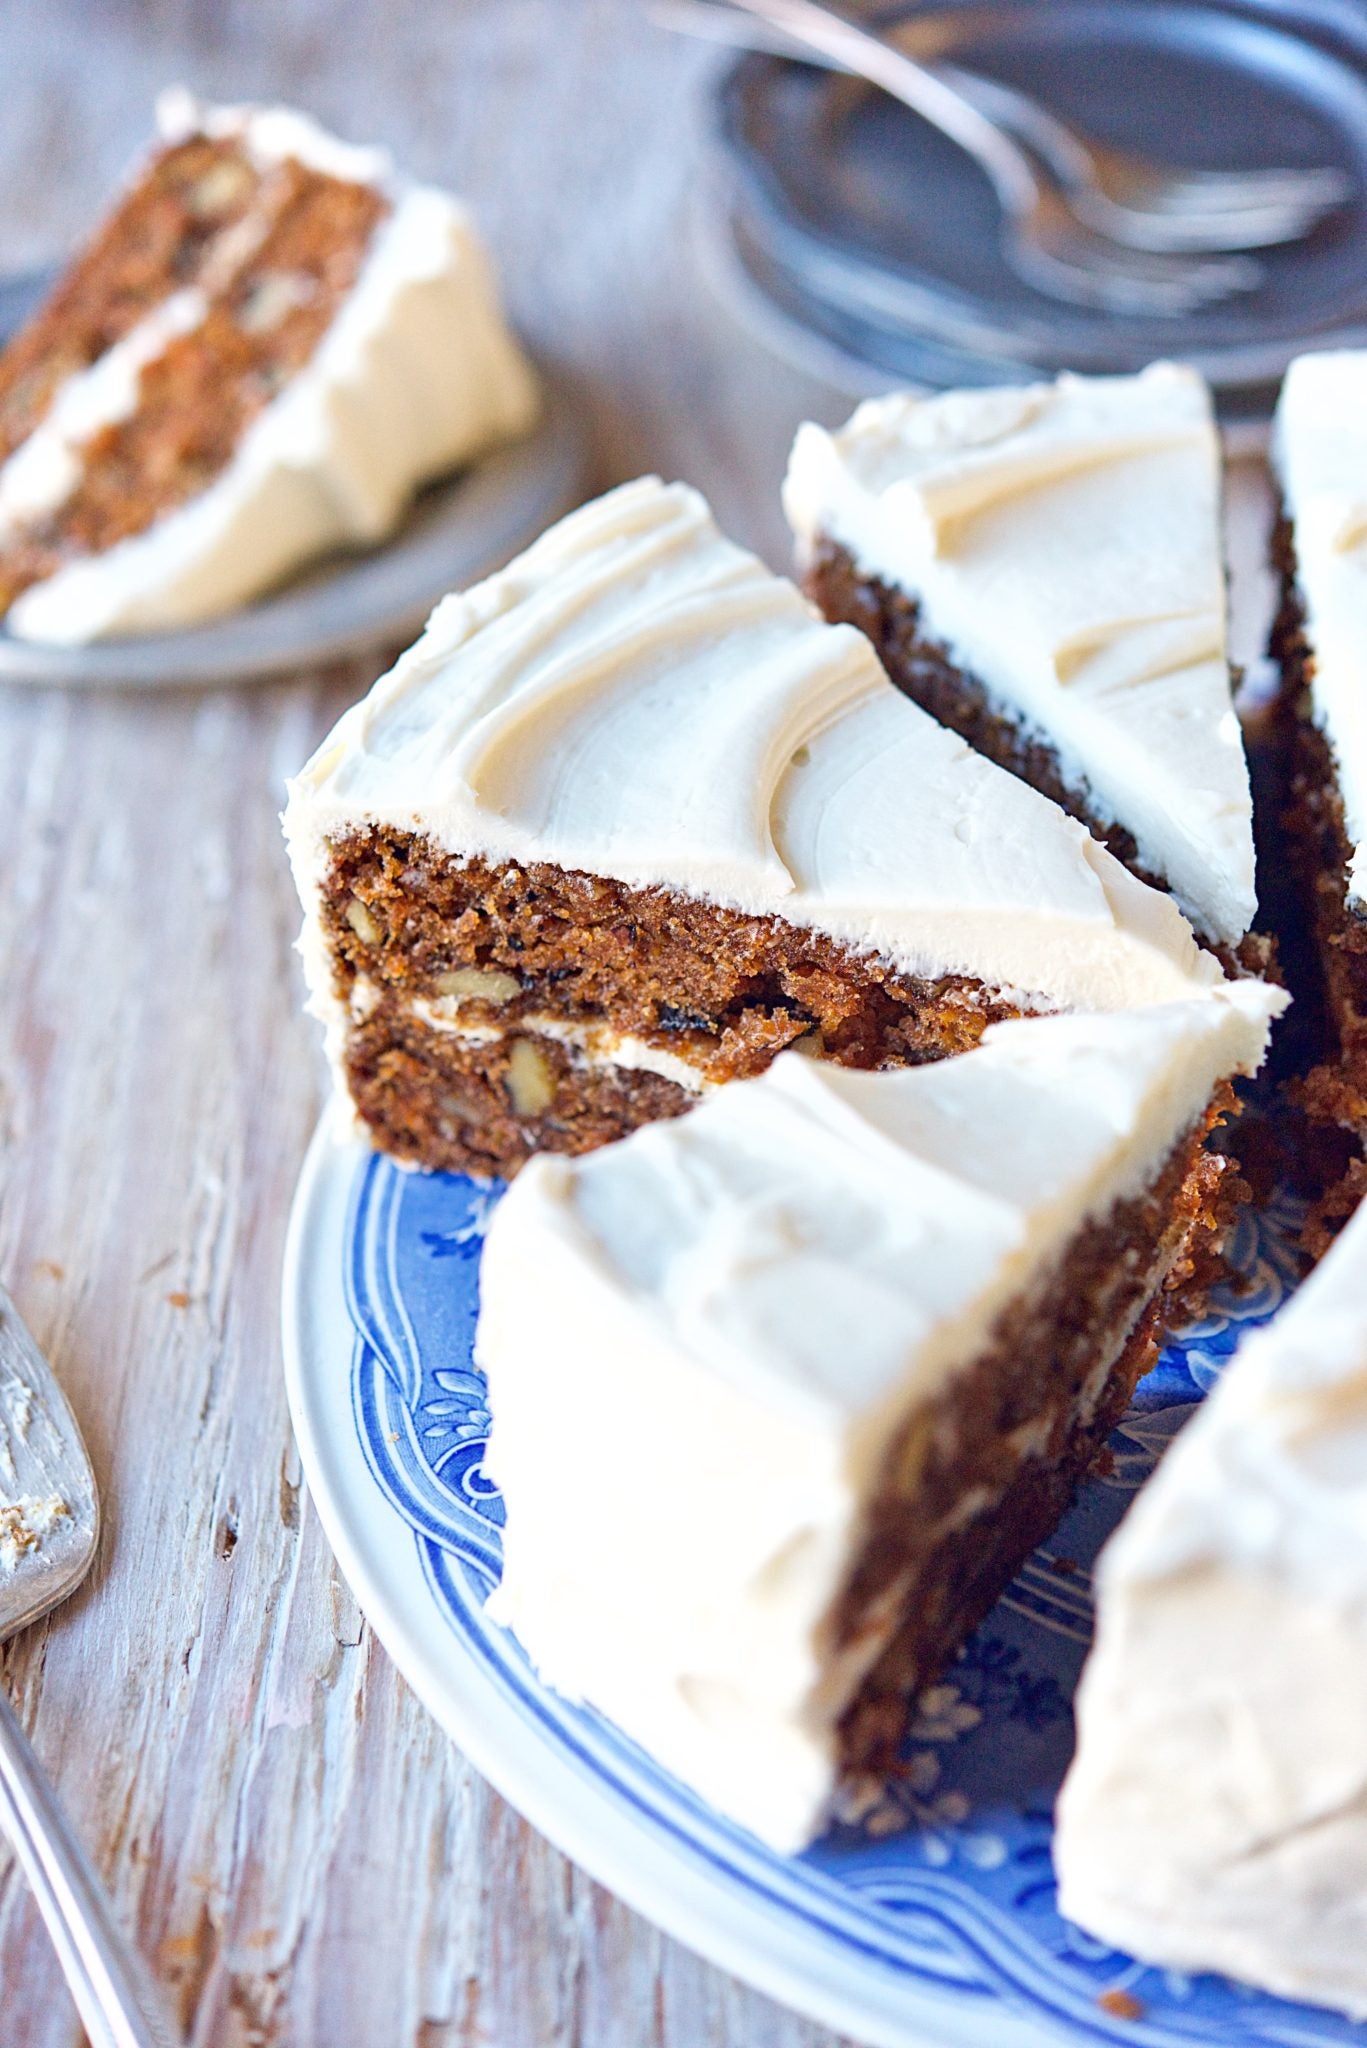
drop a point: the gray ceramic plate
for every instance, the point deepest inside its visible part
(459, 529)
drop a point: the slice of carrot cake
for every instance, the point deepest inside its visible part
(270, 342)
(629, 819)
(836, 1348)
(1320, 638)
(1215, 1817)
(1041, 568)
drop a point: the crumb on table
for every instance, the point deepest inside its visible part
(23, 1525)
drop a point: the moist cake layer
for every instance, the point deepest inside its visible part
(779, 842)
(1320, 454)
(274, 296)
(1018, 1430)
(1335, 1092)
(162, 228)
(877, 1323)
(1320, 640)
(1215, 1816)
(264, 351)
(1062, 545)
(445, 968)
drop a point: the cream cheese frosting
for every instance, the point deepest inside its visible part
(738, 1308)
(1063, 543)
(416, 374)
(636, 697)
(1215, 1817)
(1320, 454)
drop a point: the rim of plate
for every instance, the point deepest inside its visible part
(580, 1815)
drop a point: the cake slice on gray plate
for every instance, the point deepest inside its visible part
(269, 343)
(629, 819)
(1041, 568)
(1215, 1817)
(784, 1390)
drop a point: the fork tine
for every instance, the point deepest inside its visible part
(1292, 193)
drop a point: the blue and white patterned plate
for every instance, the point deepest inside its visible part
(927, 1915)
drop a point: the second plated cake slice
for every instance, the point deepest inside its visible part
(784, 1391)
(1041, 568)
(629, 819)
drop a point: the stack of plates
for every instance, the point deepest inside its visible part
(860, 236)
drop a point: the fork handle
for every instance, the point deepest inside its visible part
(118, 2002)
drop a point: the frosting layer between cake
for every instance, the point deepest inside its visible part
(416, 374)
(1216, 1813)
(636, 697)
(1320, 452)
(1063, 544)
(740, 1307)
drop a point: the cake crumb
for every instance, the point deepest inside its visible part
(23, 1525)
(178, 1298)
(1121, 2005)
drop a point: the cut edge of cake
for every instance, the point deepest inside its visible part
(834, 1349)
(270, 342)
(1041, 568)
(629, 818)
(1215, 1815)
(1320, 642)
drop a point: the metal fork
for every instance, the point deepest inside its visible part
(49, 1527)
(1128, 199)
(1148, 206)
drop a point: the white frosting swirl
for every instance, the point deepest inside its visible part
(638, 698)
(742, 1306)
(416, 373)
(1063, 543)
(1216, 1813)
(1320, 450)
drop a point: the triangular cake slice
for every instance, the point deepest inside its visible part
(1215, 1817)
(270, 342)
(784, 1391)
(1320, 453)
(629, 818)
(1041, 568)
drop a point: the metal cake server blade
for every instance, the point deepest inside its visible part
(49, 1528)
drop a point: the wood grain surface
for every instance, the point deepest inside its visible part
(302, 1854)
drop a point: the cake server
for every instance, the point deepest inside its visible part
(49, 1527)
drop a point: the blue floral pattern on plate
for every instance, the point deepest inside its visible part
(944, 1874)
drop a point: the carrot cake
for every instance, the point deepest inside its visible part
(1320, 639)
(1041, 569)
(837, 1347)
(629, 819)
(1215, 1817)
(270, 342)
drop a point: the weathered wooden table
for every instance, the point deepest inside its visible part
(302, 1854)
(305, 1857)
